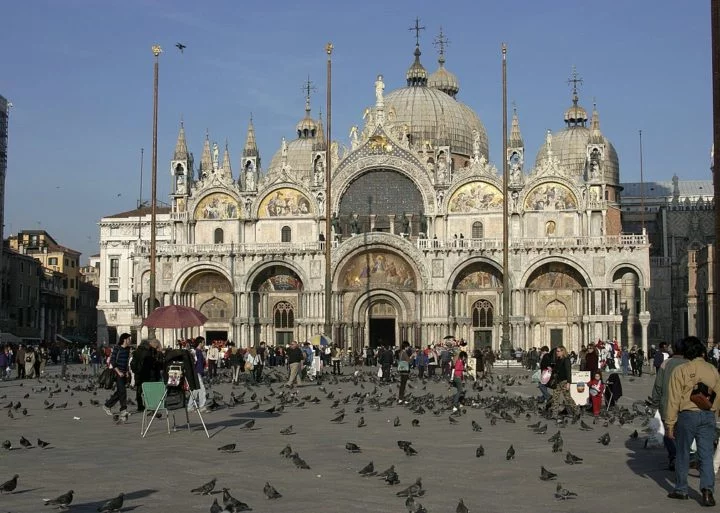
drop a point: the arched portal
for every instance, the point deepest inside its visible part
(382, 323)
(628, 296)
(555, 302)
(275, 305)
(211, 293)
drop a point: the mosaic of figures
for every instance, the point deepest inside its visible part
(477, 279)
(555, 275)
(285, 203)
(550, 196)
(280, 282)
(217, 206)
(475, 197)
(207, 282)
(377, 269)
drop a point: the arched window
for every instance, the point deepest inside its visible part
(478, 232)
(286, 234)
(219, 236)
(482, 314)
(283, 315)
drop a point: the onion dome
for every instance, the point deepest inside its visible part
(444, 80)
(570, 145)
(416, 74)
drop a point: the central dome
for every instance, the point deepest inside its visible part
(433, 116)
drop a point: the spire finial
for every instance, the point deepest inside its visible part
(440, 42)
(417, 28)
(575, 80)
(308, 87)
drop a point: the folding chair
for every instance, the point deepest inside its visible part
(153, 394)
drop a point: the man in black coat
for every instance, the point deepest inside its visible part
(146, 366)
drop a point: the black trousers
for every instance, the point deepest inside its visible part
(119, 395)
(403, 381)
(21, 369)
(336, 366)
(258, 372)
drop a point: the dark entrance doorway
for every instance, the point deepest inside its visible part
(382, 332)
(556, 338)
(213, 335)
(483, 339)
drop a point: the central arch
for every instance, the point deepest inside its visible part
(210, 292)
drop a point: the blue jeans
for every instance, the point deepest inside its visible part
(700, 426)
(459, 390)
(545, 392)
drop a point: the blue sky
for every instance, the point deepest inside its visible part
(79, 73)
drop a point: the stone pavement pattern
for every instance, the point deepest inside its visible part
(99, 459)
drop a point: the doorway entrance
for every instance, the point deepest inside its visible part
(212, 335)
(483, 339)
(556, 338)
(283, 338)
(382, 332)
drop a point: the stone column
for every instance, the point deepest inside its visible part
(644, 318)
(392, 223)
(372, 222)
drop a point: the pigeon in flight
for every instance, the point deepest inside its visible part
(180, 47)
(63, 501)
(114, 504)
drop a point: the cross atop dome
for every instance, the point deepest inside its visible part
(441, 41)
(575, 80)
(417, 28)
(308, 87)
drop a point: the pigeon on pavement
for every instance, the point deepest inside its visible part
(62, 501)
(114, 504)
(206, 488)
(270, 491)
(9, 486)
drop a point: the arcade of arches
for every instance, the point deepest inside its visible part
(379, 294)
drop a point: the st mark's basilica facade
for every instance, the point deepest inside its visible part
(416, 241)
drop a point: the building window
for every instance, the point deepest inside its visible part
(72, 283)
(66, 262)
(478, 232)
(52, 261)
(482, 314)
(20, 296)
(219, 236)
(283, 315)
(113, 295)
(114, 267)
(286, 234)
(22, 267)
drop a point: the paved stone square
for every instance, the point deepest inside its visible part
(97, 458)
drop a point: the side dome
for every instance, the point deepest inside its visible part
(570, 145)
(299, 158)
(433, 116)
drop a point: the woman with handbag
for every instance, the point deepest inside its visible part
(545, 374)
(404, 359)
(560, 383)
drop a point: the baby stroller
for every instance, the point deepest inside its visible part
(613, 390)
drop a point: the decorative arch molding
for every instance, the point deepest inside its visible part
(524, 280)
(363, 300)
(194, 201)
(530, 186)
(258, 268)
(642, 280)
(378, 242)
(471, 261)
(189, 270)
(456, 186)
(347, 174)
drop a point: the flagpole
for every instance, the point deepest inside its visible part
(153, 215)
(328, 200)
(505, 346)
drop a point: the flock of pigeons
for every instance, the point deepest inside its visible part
(489, 396)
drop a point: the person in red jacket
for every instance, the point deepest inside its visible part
(597, 389)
